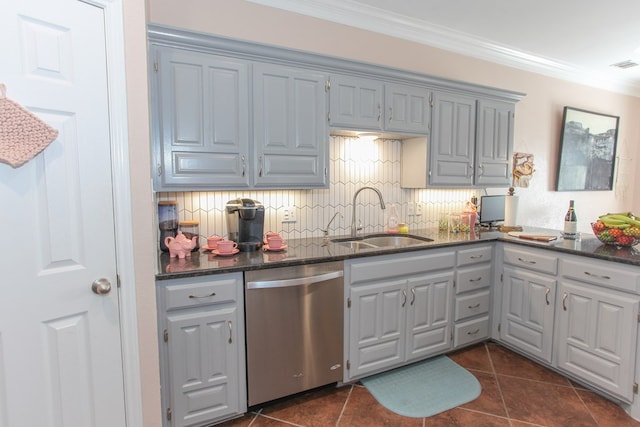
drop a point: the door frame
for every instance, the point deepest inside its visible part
(119, 141)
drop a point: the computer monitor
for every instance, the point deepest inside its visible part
(491, 210)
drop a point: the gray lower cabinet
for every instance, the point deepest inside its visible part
(202, 341)
(597, 324)
(528, 300)
(291, 136)
(472, 302)
(399, 310)
(573, 313)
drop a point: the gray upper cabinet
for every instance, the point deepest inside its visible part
(291, 137)
(367, 104)
(355, 103)
(200, 120)
(406, 109)
(471, 142)
(228, 114)
(494, 143)
(453, 140)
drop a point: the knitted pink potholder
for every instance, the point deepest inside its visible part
(22, 134)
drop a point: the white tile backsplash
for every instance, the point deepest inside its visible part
(353, 164)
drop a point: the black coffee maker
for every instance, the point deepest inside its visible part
(245, 223)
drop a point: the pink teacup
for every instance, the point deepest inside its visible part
(270, 234)
(226, 246)
(275, 242)
(212, 241)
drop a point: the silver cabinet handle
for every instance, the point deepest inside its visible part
(597, 276)
(244, 166)
(476, 256)
(477, 279)
(390, 114)
(546, 295)
(212, 294)
(474, 306)
(564, 301)
(526, 261)
(404, 295)
(294, 282)
(473, 332)
(413, 296)
(379, 112)
(261, 164)
(101, 286)
(230, 332)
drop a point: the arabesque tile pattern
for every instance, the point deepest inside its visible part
(516, 392)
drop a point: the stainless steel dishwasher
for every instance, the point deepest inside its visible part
(294, 321)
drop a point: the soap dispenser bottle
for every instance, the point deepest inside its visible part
(392, 219)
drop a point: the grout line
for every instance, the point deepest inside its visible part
(344, 406)
(495, 376)
(584, 404)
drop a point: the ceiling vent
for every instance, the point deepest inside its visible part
(625, 64)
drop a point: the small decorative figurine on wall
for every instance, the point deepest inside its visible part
(522, 169)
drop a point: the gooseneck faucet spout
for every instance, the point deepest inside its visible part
(354, 227)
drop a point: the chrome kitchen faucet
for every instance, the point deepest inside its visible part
(354, 228)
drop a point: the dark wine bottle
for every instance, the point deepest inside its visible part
(570, 222)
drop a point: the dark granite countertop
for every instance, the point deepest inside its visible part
(311, 250)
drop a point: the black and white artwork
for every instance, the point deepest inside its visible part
(587, 151)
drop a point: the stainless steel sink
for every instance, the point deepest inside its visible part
(381, 241)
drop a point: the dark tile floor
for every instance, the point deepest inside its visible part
(515, 393)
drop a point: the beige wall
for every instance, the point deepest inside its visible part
(142, 206)
(537, 122)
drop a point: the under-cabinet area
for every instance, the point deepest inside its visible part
(573, 314)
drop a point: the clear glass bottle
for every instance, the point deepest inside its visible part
(190, 229)
(570, 222)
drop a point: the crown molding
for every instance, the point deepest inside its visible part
(354, 14)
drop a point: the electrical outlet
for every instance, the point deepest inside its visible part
(411, 209)
(289, 215)
(419, 209)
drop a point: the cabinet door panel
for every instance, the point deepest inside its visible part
(597, 333)
(452, 140)
(290, 131)
(407, 109)
(494, 143)
(527, 312)
(377, 327)
(429, 314)
(202, 360)
(355, 103)
(202, 120)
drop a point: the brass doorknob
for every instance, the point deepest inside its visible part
(101, 286)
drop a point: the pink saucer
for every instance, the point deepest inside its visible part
(207, 248)
(281, 248)
(233, 252)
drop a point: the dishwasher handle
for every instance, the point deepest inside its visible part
(298, 281)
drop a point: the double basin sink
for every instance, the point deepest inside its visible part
(381, 241)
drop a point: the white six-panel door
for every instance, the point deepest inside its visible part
(60, 349)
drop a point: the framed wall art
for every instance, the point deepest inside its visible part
(587, 151)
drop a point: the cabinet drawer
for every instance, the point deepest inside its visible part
(388, 266)
(472, 305)
(472, 278)
(473, 330)
(184, 293)
(532, 260)
(611, 275)
(473, 255)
